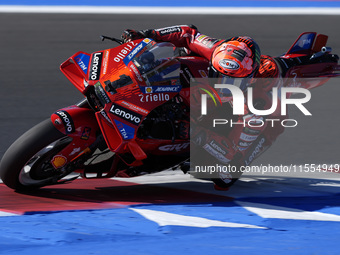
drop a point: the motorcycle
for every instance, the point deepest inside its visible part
(135, 116)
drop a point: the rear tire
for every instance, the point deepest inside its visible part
(26, 163)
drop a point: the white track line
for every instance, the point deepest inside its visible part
(6, 214)
(170, 10)
(172, 219)
(279, 212)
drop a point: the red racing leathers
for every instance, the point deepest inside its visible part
(223, 147)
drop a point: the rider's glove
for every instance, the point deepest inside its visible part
(130, 35)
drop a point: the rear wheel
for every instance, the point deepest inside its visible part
(27, 162)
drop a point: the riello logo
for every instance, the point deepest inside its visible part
(239, 101)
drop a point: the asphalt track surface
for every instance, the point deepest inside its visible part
(33, 46)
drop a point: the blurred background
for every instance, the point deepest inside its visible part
(33, 45)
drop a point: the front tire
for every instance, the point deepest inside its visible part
(26, 163)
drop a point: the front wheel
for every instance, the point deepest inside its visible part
(27, 162)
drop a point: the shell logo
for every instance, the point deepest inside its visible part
(148, 89)
(203, 73)
(58, 161)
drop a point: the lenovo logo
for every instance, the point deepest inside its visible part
(96, 66)
(126, 114)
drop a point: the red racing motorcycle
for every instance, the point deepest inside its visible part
(135, 117)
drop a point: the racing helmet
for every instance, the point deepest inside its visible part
(237, 57)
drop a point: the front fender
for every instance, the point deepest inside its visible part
(76, 122)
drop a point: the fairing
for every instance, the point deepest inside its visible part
(124, 85)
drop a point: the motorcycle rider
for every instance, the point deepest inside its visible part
(236, 57)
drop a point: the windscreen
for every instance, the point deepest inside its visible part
(157, 64)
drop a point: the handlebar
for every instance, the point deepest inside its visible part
(103, 37)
